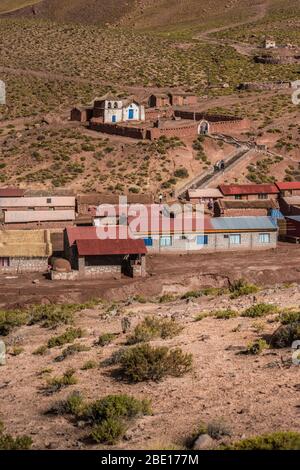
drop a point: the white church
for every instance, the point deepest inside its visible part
(114, 110)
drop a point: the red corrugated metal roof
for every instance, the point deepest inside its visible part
(111, 247)
(95, 233)
(234, 189)
(11, 192)
(288, 185)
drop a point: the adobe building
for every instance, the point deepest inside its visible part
(249, 192)
(183, 99)
(203, 196)
(244, 208)
(92, 257)
(289, 188)
(159, 100)
(24, 251)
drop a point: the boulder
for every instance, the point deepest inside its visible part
(203, 442)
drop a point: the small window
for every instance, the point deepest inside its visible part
(165, 241)
(238, 197)
(264, 238)
(202, 240)
(235, 239)
(109, 105)
(49, 200)
(116, 105)
(262, 196)
(148, 241)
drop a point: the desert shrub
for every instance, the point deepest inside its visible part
(225, 314)
(181, 173)
(193, 294)
(111, 415)
(7, 442)
(67, 337)
(57, 383)
(288, 317)
(240, 288)
(89, 365)
(106, 339)
(116, 406)
(73, 404)
(256, 347)
(201, 316)
(152, 327)
(53, 315)
(208, 291)
(10, 319)
(40, 351)
(108, 431)
(144, 362)
(216, 429)
(275, 441)
(166, 298)
(259, 310)
(285, 335)
(16, 351)
(70, 351)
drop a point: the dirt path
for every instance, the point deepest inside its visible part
(241, 48)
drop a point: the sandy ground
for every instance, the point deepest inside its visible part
(251, 394)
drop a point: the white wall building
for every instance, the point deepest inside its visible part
(114, 110)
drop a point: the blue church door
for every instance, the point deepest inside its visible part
(130, 114)
(114, 118)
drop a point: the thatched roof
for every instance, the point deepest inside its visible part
(25, 244)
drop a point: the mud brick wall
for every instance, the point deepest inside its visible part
(189, 131)
(133, 132)
(154, 114)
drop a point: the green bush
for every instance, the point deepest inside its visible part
(106, 339)
(152, 327)
(181, 173)
(40, 351)
(259, 310)
(10, 319)
(285, 335)
(108, 431)
(216, 429)
(70, 351)
(144, 362)
(7, 442)
(240, 288)
(257, 347)
(225, 314)
(57, 383)
(68, 336)
(117, 406)
(73, 404)
(89, 365)
(288, 317)
(276, 441)
(53, 315)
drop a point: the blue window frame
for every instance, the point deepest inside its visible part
(202, 239)
(148, 241)
(130, 114)
(235, 239)
(165, 241)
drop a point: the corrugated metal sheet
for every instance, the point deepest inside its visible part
(296, 218)
(234, 189)
(57, 201)
(11, 217)
(243, 223)
(11, 192)
(286, 185)
(110, 247)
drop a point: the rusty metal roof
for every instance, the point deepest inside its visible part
(11, 192)
(288, 185)
(234, 189)
(111, 247)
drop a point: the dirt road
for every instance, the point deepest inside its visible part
(166, 274)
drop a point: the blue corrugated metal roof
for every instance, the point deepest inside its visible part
(243, 223)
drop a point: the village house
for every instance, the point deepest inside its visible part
(36, 212)
(159, 100)
(290, 230)
(24, 251)
(241, 208)
(249, 191)
(288, 188)
(204, 196)
(11, 193)
(93, 257)
(183, 99)
(210, 235)
(269, 43)
(290, 205)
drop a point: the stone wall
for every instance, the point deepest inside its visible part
(125, 131)
(26, 265)
(184, 131)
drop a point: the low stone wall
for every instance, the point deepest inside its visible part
(89, 272)
(25, 265)
(188, 131)
(153, 114)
